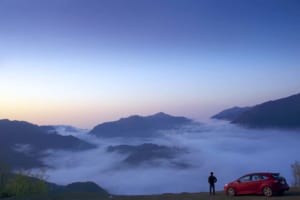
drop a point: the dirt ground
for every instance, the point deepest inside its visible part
(293, 194)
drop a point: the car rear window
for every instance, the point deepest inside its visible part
(277, 176)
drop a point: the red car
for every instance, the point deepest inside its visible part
(257, 183)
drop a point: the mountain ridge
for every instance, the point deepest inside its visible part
(230, 113)
(149, 153)
(139, 126)
(22, 144)
(280, 113)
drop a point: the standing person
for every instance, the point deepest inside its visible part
(212, 180)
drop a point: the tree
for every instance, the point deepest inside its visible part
(4, 170)
(296, 173)
(4, 176)
(25, 183)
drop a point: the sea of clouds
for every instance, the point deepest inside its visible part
(228, 150)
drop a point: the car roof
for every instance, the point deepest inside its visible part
(262, 174)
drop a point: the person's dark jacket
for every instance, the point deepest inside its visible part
(212, 179)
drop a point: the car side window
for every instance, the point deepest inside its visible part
(245, 179)
(256, 178)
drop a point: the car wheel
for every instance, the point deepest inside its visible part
(267, 191)
(231, 191)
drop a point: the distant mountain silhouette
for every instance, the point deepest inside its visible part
(281, 113)
(23, 143)
(231, 113)
(53, 128)
(49, 129)
(138, 126)
(84, 187)
(149, 153)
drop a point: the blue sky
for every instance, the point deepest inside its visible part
(83, 62)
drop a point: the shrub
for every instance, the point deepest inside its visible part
(296, 173)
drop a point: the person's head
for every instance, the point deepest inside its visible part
(211, 173)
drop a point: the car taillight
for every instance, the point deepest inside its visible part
(279, 181)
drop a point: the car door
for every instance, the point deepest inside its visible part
(243, 185)
(254, 184)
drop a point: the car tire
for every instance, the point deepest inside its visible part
(231, 191)
(267, 191)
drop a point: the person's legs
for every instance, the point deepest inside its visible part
(213, 187)
(210, 189)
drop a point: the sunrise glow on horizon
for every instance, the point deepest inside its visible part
(83, 62)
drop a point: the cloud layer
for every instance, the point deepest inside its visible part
(228, 150)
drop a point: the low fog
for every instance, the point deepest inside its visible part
(228, 150)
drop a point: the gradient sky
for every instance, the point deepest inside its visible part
(83, 62)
